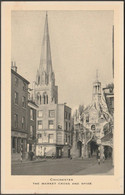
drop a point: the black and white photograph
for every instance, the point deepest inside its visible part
(62, 92)
(62, 97)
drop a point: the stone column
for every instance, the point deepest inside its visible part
(82, 150)
(87, 151)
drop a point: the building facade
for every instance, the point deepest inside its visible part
(31, 139)
(107, 140)
(53, 128)
(19, 112)
(89, 132)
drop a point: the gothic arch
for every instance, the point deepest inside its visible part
(45, 98)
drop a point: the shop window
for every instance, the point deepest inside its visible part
(40, 113)
(52, 113)
(16, 98)
(15, 120)
(23, 122)
(31, 114)
(24, 102)
(50, 138)
(51, 124)
(40, 124)
(59, 138)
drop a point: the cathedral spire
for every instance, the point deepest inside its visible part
(45, 67)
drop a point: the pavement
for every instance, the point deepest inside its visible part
(63, 166)
(105, 168)
(17, 162)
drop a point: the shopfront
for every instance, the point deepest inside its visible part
(18, 140)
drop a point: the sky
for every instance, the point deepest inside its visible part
(81, 43)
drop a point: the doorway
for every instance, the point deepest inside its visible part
(93, 148)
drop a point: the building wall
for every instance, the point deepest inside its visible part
(57, 132)
(19, 132)
(109, 97)
(18, 108)
(31, 122)
(45, 142)
(60, 125)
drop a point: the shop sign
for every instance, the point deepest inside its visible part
(18, 134)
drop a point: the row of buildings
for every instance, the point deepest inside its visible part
(41, 125)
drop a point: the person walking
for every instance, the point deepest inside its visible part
(103, 157)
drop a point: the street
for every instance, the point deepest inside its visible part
(63, 166)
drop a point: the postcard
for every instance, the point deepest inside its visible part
(62, 97)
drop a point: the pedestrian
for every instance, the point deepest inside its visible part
(98, 156)
(45, 155)
(53, 155)
(103, 157)
(31, 155)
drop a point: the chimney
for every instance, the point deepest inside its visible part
(13, 66)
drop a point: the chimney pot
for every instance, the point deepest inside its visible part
(13, 66)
